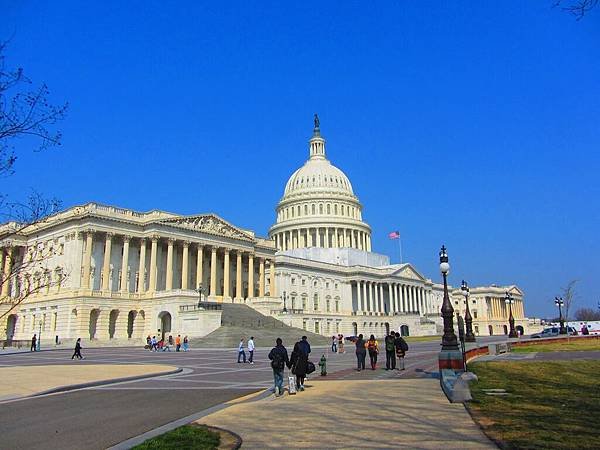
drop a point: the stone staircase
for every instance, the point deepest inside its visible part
(239, 321)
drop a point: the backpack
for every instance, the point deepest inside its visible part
(372, 345)
(389, 344)
(403, 345)
(278, 363)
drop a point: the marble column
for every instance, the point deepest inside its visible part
(185, 271)
(153, 270)
(142, 267)
(272, 291)
(250, 275)
(318, 230)
(391, 298)
(7, 271)
(352, 241)
(199, 266)
(238, 274)
(226, 274)
(106, 262)
(87, 259)
(359, 304)
(125, 264)
(213, 271)
(364, 295)
(169, 277)
(376, 297)
(261, 277)
(381, 299)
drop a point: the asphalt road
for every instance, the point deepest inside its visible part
(96, 418)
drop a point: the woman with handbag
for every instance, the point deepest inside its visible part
(299, 363)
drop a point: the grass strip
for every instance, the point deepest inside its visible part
(195, 437)
(567, 346)
(553, 405)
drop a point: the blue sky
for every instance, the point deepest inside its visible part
(473, 124)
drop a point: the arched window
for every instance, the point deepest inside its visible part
(306, 210)
(316, 302)
(320, 208)
(328, 304)
(328, 209)
(335, 209)
(314, 209)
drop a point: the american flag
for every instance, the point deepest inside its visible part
(394, 235)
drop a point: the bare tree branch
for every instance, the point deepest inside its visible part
(578, 8)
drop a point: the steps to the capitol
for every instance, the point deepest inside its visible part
(239, 321)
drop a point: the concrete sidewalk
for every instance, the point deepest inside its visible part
(22, 381)
(355, 414)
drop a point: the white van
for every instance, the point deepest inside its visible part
(593, 326)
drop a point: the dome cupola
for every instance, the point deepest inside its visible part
(318, 207)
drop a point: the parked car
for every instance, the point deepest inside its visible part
(553, 332)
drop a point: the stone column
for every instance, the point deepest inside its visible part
(226, 274)
(87, 260)
(318, 230)
(199, 262)
(169, 282)
(272, 278)
(371, 296)
(261, 277)
(377, 297)
(7, 270)
(309, 237)
(359, 304)
(352, 243)
(125, 264)
(106, 262)
(250, 275)
(185, 256)
(238, 274)
(153, 251)
(364, 295)
(381, 299)
(213, 271)
(142, 267)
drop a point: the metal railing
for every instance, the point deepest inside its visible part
(204, 306)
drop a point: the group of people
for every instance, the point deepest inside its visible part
(165, 345)
(298, 363)
(242, 352)
(395, 348)
(337, 344)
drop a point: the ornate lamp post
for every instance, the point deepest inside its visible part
(39, 341)
(449, 341)
(469, 336)
(199, 291)
(284, 297)
(508, 299)
(558, 301)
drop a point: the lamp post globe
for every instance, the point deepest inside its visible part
(469, 335)
(508, 299)
(449, 341)
(558, 301)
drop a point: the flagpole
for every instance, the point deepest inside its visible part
(400, 247)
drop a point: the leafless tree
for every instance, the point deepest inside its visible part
(26, 114)
(578, 8)
(568, 296)
(587, 314)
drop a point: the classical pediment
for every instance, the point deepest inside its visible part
(409, 272)
(209, 223)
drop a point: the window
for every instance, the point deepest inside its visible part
(303, 282)
(328, 208)
(336, 285)
(335, 209)
(337, 306)
(327, 285)
(328, 305)
(304, 304)
(316, 302)
(293, 281)
(476, 329)
(304, 325)
(474, 314)
(306, 210)
(293, 302)
(298, 210)
(315, 284)
(314, 211)
(317, 327)
(321, 208)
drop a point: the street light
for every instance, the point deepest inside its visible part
(283, 297)
(469, 336)
(449, 341)
(508, 299)
(558, 301)
(199, 291)
(39, 341)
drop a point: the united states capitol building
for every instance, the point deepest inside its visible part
(107, 273)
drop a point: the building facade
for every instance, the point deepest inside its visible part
(116, 275)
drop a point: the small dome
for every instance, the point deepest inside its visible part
(318, 174)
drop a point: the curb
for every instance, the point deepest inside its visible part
(73, 387)
(136, 440)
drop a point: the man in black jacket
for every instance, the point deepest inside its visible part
(279, 359)
(390, 351)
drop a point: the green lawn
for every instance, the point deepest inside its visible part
(574, 344)
(183, 438)
(553, 405)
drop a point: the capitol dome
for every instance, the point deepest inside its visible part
(318, 207)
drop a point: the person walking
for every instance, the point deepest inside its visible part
(170, 341)
(299, 361)
(279, 360)
(401, 349)
(241, 352)
(33, 343)
(77, 351)
(251, 349)
(186, 344)
(178, 343)
(390, 351)
(340, 343)
(361, 352)
(153, 344)
(373, 348)
(333, 344)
